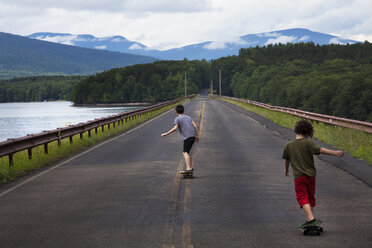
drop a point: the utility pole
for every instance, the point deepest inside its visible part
(220, 82)
(212, 87)
(185, 86)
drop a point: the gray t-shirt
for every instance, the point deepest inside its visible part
(185, 126)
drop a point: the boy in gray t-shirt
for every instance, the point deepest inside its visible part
(188, 132)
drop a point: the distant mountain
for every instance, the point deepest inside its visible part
(21, 56)
(112, 43)
(205, 50)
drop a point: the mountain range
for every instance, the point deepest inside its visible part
(67, 54)
(205, 50)
(22, 56)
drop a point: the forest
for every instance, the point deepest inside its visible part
(329, 79)
(38, 89)
(156, 82)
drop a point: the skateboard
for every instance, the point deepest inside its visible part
(187, 174)
(313, 230)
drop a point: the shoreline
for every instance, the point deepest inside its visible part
(114, 104)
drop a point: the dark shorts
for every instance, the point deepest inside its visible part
(305, 190)
(187, 144)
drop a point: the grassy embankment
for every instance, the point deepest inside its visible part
(22, 164)
(357, 143)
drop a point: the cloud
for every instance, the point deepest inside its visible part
(135, 47)
(118, 39)
(214, 45)
(281, 39)
(221, 44)
(304, 38)
(268, 34)
(168, 6)
(103, 47)
(336, 41)
(126, 6)
(66, 40)
(165, 24)
(361, 37)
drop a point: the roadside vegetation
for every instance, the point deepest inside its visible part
(23, 165)
(356, 142)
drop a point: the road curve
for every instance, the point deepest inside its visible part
(127, 192)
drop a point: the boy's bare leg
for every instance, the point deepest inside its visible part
(187, 160)
(308, 211)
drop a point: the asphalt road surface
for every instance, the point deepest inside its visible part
(127, 192)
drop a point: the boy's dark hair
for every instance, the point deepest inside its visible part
(304, 127)
(180, 109)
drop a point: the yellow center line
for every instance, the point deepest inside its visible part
(186, 227)
(169, 229)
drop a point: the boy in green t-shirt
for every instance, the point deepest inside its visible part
(299, 153)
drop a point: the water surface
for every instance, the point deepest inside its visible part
(20, 119)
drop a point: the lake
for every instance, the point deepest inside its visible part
(20, 119)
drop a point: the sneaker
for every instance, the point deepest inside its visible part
(190, 170)
(309, 223)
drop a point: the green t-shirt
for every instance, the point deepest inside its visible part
(300, 154)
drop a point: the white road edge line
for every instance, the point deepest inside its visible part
(76, 156)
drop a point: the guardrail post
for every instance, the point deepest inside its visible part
(70, 139)
(96, 129)
(59, 138)
(113, 124)
(29, 153)
(46, 148)
(89, 133)
(10, 156)
(103, 128)
(81, 135)
(108, 125)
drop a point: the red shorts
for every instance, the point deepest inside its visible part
(305, 190)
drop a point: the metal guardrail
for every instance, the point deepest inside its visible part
(11, 146)
(333, 120)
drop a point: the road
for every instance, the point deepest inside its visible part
(127, 192)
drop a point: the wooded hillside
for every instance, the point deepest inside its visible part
(329, 79)
(159, 81)
(37, 89)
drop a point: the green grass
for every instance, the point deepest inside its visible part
(23, 165)
(356, 142)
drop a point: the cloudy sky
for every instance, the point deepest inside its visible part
(164, 24)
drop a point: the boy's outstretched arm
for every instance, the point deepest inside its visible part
(170, 131)
(286, 168)
(326, 151)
